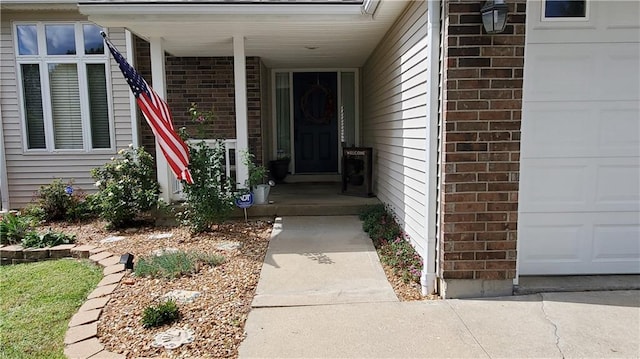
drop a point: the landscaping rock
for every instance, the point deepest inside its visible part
(228, 245)
(173, 338)
(105, 354)
(161, 251)
(182, 296)
(112, 239)
(165, 235)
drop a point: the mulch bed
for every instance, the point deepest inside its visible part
(218, 315)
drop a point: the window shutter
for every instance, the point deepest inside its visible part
(34, 115)
(65, 106)
(98, 106)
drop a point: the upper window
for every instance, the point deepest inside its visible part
(554, 9)
(63, 75)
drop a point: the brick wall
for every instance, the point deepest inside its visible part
(481, 143)
(207, 81)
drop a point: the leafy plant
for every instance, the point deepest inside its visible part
(391, 243)
(257, 174)
(49, 239)
(127, 187)
(200, 119)
(174, 264)
(210, 199)
(14, 228)
(59, 201)
(160, 314)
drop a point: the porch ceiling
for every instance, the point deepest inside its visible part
(295, 36)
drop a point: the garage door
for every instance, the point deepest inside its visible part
(579, 204)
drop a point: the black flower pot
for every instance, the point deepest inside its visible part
(279, 169)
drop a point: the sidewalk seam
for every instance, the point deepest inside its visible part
(468, 329)
(555, 327)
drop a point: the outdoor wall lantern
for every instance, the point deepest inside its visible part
(494, 16)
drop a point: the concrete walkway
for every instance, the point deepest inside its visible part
(319, 260)
(321, 295)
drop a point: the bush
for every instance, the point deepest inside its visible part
(59, 201)
(173, 265)
(161, 314)
(49, 239)
(210, 199)
(391, 243)
(14, 228)
(127, 187)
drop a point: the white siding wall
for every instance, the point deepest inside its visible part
(394, 88)
(26, 172)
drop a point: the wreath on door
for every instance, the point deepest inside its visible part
(323, 117)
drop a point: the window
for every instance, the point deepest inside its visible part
(63, 75)
(554, 9)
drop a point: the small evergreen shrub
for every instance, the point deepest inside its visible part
(127, 187)
(174, 264)
(210, 199)
(391, 243)
(160, 314)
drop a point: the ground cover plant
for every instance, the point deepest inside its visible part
(36, 302)
(20, 229)
(160, 314)
(399, 258)
(174, 264)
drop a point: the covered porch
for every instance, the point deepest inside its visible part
(270, 48)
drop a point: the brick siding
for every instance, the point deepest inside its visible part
(207, 81)
(481, 143)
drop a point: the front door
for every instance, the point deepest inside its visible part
(315, 122)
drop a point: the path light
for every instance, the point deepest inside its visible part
(494, 16)
(127, 260)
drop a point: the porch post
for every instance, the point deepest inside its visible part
(242, 138)
(159, 85)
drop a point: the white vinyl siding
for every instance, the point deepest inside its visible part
(395, 119)
(27, 171)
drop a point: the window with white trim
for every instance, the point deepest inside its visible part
(62, 69)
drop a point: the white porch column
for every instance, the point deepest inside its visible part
(242, 120)
(165, 177)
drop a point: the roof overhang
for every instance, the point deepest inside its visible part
(284, 34)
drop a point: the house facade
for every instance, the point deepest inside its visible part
(502, 155)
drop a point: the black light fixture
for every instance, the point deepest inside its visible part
(494, 16)
(127, 260)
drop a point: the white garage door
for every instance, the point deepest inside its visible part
(579, 204)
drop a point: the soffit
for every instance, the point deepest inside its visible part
(293, 40)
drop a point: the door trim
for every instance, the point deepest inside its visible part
(290, 71)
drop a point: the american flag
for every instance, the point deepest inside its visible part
(158, 116)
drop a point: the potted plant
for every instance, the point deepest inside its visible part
(255, 181)
(279, 168)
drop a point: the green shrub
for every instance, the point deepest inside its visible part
(14, 228)
(59, 201)
(127, 187)
(174, 264)
(391, 243)
(257, 174)
(210, 199)
(49, 239)
(161, 314)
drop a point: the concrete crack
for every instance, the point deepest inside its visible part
(468, 329)
(555, 327)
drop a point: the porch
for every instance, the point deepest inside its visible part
(308, 199)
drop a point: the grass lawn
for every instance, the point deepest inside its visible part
(36, 302)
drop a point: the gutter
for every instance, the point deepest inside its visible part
(428, 277)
